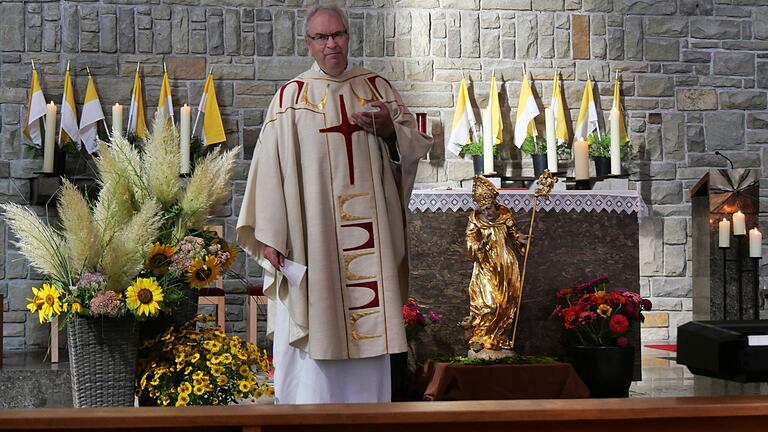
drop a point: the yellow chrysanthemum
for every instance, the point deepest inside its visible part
(217, 370)
(199, 390)
(179, 357)
(198, 375)
(245, 370)
(604, 310)
(244, 386)
(195, 357)
(144, 296)
(221, 380)
(165, 399)
(185, 388)
(159, 258)
(202, 272)
(226, 358)
(183, 400)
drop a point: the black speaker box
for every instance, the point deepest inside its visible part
(731, 350)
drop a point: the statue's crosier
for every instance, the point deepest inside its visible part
(495, 243)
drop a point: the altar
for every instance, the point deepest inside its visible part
(578, 235)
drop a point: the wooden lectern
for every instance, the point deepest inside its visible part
(725, 279)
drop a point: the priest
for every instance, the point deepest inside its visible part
(324, 216)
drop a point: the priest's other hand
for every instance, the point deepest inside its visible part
(378, 121)
(275, 258)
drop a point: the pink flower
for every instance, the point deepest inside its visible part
(622, 341)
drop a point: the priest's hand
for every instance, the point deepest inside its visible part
(377, 121)
(275, 258)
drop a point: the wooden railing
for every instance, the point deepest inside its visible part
(741, 413)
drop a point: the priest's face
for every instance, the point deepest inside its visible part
(328, 42)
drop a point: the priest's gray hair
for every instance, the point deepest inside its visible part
(333, 9)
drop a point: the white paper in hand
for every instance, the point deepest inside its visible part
(294, 272)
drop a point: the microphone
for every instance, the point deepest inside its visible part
(724, 157)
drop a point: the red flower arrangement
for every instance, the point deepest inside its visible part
(598, 317)
(416, 317)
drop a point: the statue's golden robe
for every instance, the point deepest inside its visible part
(495, 285)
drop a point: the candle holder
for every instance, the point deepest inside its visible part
(756, 287)
(724, 249)
(739, 270)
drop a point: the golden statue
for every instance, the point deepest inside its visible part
(496, 244)
(493, 242)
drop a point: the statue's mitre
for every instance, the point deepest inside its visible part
(483, 191)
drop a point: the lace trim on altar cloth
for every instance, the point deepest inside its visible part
(571, 201)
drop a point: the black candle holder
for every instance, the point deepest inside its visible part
(756, 287)
(739, 270)
(724, 249)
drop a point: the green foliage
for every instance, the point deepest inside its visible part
(601, 146)
(476, 148)
(534, 145)
(514, 359)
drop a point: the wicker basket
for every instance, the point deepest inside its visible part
(186, 309)
(102, 359)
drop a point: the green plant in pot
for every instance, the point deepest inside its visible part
(475, 150)
(537, 148)
(600, 152)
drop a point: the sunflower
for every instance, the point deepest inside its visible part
(202, 272)
(46, 301)
(74, 306)
(159, 258)
(144, 296)
(232, 255)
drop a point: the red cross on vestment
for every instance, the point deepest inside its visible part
(346, 129)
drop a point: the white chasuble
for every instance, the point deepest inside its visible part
(330, 196)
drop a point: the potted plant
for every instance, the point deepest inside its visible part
(537, 148)
(131, 255)
(600, 321)
(476, 150)
(600, 151)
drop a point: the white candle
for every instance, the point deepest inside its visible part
(50, 137)
(184, 135)
(117, 119)
(724, 240)
(549, 119)
(755, 243)
(488, 141)
(739, 224)
(615, 144)
(581, 159)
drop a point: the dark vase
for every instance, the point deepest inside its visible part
(477, 164)
(606, 371)
(602, 166)
(539, 164)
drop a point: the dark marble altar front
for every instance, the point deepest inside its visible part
(567, 248)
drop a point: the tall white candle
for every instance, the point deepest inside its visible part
(755, 243)
(50, 137)
(117, 119)
(739, 224)
(488, 141)
(724, 229)
(549, 119)
(581, 159)
(615, 144)
(184, 136)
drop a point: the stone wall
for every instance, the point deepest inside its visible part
(694, 73)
